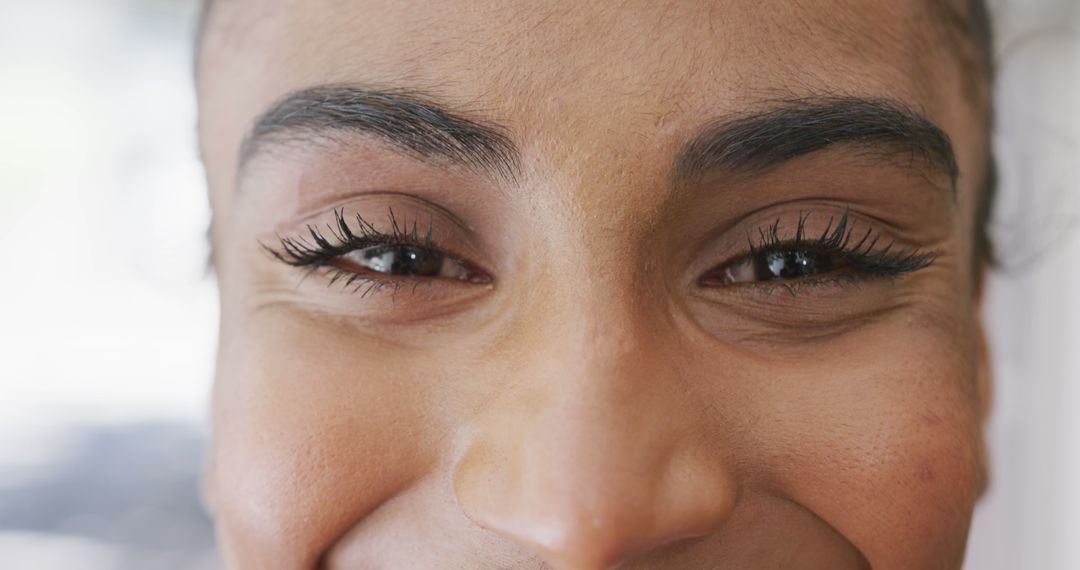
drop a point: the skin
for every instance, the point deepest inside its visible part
(593, 404)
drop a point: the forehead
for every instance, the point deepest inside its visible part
(571, 75)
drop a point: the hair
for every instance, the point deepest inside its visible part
(979, 34)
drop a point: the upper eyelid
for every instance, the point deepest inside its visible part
(846, 232)
(452, 233)
(392, 200)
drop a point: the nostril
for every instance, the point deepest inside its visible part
(576, 541)
(570, 542)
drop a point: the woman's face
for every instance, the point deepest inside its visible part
(523, 285)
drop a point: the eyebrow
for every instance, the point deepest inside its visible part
(748, 143)
(788, 129)
(406, 120)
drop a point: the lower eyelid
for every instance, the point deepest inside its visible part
(355, 282)
(843, 278)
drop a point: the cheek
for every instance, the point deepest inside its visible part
(311, 433)
(879, 437)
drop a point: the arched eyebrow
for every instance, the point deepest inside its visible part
(758, 141)
(751, 142)
(406, 120)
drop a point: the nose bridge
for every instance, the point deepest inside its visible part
(595, 456)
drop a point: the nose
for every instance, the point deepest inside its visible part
(599, 453)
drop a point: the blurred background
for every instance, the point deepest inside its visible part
(108, 313)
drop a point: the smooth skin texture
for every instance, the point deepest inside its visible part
(592, 402)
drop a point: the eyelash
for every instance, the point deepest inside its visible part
(319, 252)
(859, 249)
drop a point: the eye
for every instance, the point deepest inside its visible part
(775, 265)
(845, 249)
(363, 258)
(403, 260)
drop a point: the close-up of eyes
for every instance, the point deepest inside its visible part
(842, 251)
(352, 253)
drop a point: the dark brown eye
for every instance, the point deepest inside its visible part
(408, 261)
(774, 265)
(790, 265)
(402, 260)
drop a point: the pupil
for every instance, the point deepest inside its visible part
(403, 260)
(790, 265)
